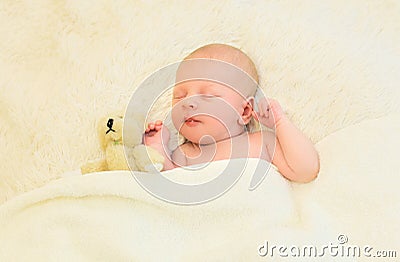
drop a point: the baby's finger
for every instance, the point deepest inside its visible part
(273, 103)
(148, 130)
(158, 122)
(150, 126)
(270, 105)
(265, 107)
(150, 133)
(260, 109)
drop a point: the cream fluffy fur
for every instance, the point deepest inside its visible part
(66, 64)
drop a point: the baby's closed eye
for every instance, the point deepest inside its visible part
(178, 96)
(210, 95)
(181, 96)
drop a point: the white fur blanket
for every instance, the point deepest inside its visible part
(108, 216)
(332, 64)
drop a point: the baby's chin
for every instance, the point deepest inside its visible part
(204, 139)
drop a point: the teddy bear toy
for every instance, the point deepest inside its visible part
(141, 157)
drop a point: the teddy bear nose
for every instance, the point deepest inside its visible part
(110, 123)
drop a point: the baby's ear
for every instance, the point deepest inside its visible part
(247, 114)
(250, 101)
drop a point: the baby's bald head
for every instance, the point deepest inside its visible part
(227, 54)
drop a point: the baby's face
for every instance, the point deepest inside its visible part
(206, 111)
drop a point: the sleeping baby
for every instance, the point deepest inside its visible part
(212, 108)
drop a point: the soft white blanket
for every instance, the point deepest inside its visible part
(108, 216)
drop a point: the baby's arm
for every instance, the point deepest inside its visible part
(156, 136)
(295, 155)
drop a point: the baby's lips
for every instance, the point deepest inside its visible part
(191, 118)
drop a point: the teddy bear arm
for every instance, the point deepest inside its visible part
(147, 158)
(94, 166)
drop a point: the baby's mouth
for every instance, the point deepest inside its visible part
(191, 120)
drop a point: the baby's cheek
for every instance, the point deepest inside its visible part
(218, 124)
(177, 117)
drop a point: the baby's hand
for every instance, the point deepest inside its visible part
(156, 134)
(269, 112)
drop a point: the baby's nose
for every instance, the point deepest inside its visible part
(190, 103)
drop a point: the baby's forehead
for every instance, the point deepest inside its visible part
(212, 71)
(204, 86)
(228, 54)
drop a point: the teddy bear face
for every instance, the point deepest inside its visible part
(117, 129)
(110, 130)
